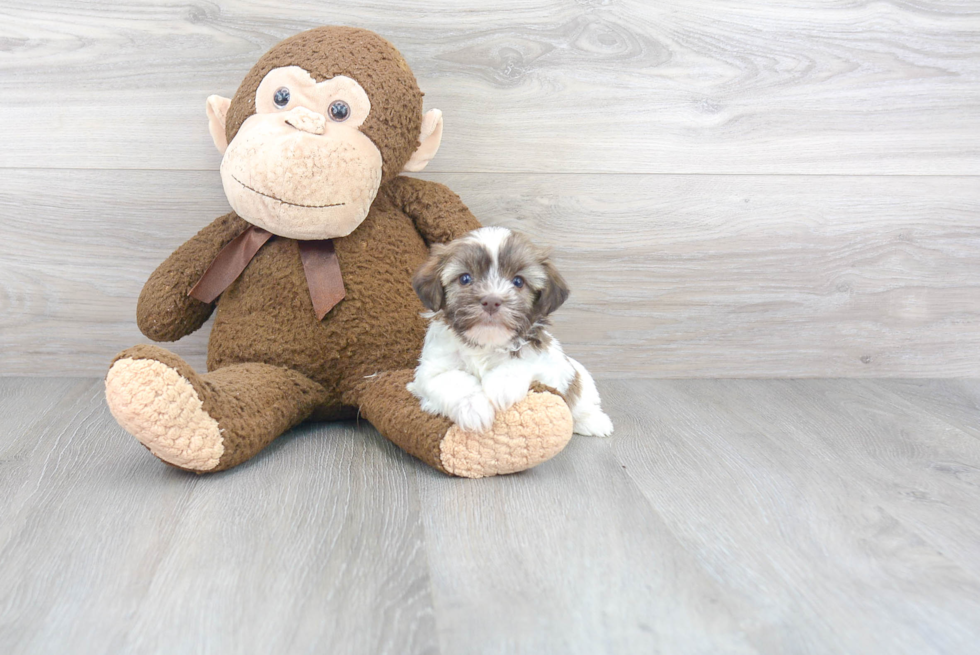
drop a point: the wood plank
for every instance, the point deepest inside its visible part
(25, 402)
(956, 402)
(567, 558)
(672, 276)
(733, 516)
(105, 549)
(547, 86)
(798, 497)
(920, 469)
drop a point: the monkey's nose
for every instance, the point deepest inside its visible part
(308, 121)
(491, 304)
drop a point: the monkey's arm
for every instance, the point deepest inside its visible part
(438, 213)
(165, 312)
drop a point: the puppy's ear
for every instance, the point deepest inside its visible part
(555, 291)
(427, 282)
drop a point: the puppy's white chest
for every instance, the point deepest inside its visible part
(479, 364)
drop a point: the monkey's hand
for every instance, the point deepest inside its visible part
(438, 213)
(165, 312)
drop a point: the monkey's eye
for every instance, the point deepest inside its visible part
(518, 281)
(281, 98)
(465, 279)
(339, 111)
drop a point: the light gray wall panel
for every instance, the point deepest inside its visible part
(672, 276)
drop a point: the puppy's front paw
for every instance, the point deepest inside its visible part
(474, 413)
(503, 391)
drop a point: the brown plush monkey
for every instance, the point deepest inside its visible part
(310, 274)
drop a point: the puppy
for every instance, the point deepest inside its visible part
(490, 294)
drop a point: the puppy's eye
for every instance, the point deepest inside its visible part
(281, 97)
(339, 111)
(518, 282)
(465, 279)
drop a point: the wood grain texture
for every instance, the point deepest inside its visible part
(734, 516)
(590, 569)
(816, 504)
(541, 86)
(956, 402)
(105, 549)
(812, 207)
(672, 276)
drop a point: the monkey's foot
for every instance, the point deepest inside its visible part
(532, 431)
(529, 433)
(161, 408)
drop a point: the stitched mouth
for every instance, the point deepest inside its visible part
(285, 202)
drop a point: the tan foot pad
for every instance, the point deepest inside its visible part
(159, 407)
(532, 431)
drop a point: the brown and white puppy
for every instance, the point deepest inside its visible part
(490, 294)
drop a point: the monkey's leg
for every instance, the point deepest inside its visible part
(532, 431)
(207, 422)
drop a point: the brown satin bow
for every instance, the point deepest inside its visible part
(320, 264)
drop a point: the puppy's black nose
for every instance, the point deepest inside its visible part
(491, 304)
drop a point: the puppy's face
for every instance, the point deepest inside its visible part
(492, 285)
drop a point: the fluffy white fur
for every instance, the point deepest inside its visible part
(469, 379)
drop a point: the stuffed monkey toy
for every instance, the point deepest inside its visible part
(310, 275)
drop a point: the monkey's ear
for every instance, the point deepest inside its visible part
(429, 141)
(217, 113)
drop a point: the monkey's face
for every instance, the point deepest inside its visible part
(299, 166)
(305, 159)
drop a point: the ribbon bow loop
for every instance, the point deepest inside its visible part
(320, 265)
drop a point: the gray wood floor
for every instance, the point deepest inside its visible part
(821, 516)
